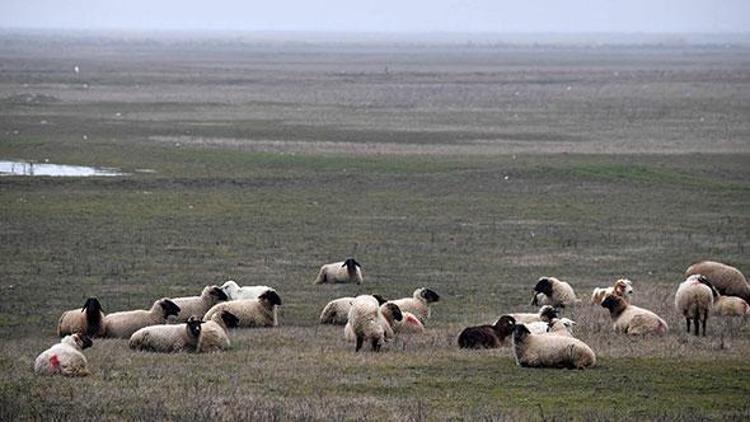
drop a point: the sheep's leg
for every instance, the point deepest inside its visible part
(360, 340)
(705, 319)
(687, 319)
(375, 345)
(696, 322)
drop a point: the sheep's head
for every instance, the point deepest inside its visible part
(92, 305)
(543, 285)
(394, 310)
(429, 295)
(229, 319)
(548, 313)
(169, 308)
(704, 280)
(614, 303)
(193, 326)
(351, 265)
(271, 297)
(623, 287)
(504, 325)
(381, 300)
(565, 322)
(217, 293)
(231, 288)
(520, 332)
(81, 340)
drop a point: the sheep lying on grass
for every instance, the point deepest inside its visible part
(694, 299)
(409, 324)
(730, 306)
(630, 319)
(349, 271)
(546, 314)
(214, 334)
(419, 303)
(553, 292)
(124, 324)
(235, 292)
(65, 358)
(260, 312)
(622, 287)
(727, 280)
(167, 338)
(550, 351)
(88, 320)
(487, 336)
(336, 311)
(198, 305)
(559, 326)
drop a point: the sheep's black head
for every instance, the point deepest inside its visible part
(612, 302)
(230, 320)
(218, 293)
(83, 341)
(351, 265)
(429, 295)
(271, 297)
(520, 332)
(395, 311)
(504, 325)
(704, 280)
(381, 300)
(548, 313)
(92, 305)
(544, 285)
(93, 310)
(169, 308)
(194, 326)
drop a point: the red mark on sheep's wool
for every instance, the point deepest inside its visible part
(412, 319)
(54, 362)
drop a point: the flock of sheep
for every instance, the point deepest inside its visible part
(541, 339)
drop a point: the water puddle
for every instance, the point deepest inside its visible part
(26, 168)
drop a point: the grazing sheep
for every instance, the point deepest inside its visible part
(65, 358)
(622, 287)
(198, 305)
(365, 322)
(419, 303)
(694, 298)
(348, 271)
(730, 306)
(630, 319)
(553, 292)
(88, 320)
(260, 312)
(235, 292)
(546, 314)
(729, 281)
(487, 336)
(167, 338)
(551, 351)
(214, 336)
(336, 311)
(124, 324)
(560, 326)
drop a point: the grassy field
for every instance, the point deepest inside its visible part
(471, 170)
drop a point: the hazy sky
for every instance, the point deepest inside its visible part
(563, 16)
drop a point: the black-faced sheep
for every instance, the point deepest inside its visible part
(124, 324)
(553, 292)
(419, 303)
(550, 351)
(349, 271)
(630, 319)
(65, 358)
(167, 338)
(197, 306)
(694, 299)
(260, 312)
(214, 334)
(487, 336)
(729, 281)
(88, 320)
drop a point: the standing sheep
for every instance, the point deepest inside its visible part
(167, 338)
(694, 298)
(88, 320)
(487, 336)
(622, 287)
(630, 319)
(348, 271)
(214, 333)
(546, 314)
(729, 281)
(197, 306)
(730, 306)
(419, 303)
(552, 351)
(65, 358)
(553, 292)
(124, 324)
(260, 312)
(365, 322)
(235, 292)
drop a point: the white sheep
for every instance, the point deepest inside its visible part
(88, 320)
(694, 299)
(235, 292)
(260, 312)
(65, 358)
(197, 306)
(365, 323)
(622, 287)
(167, 338)
(419, 303)
(553, 292)
(124, 324)
(559, 326)
(630, 319)
(348, 271)
(546, 314)
(727, 280)
(552, 351)
(214, 333)
(730, 306)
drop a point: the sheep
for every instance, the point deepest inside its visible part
(366, 321)
(487, 336)
(389, 316)
(730, 306)
(553, 292)
(198, 305)
(213, 336)
(167, 338)
(630, 319)
(88, 320)
(560, 326)
(546, 313)
(728, 281)
(65, 358)
(235, 292)
(419, 303)
(622, 287)
(554, 351)
(124, 324)
(694, 298)
(349, 271)
(260, 312)
(336, 311)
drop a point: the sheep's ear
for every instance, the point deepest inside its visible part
(381, 300)
(356, 263)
